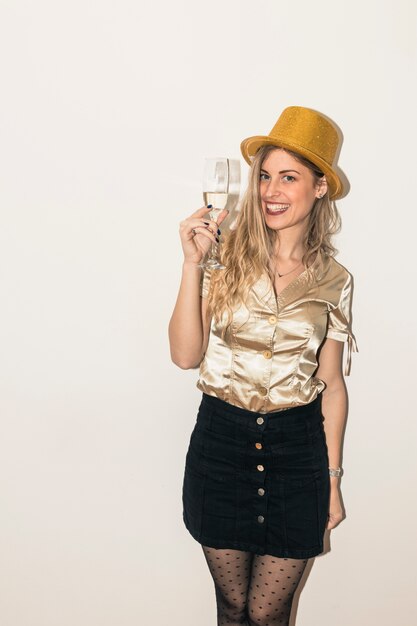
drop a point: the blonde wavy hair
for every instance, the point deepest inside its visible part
(248, 249)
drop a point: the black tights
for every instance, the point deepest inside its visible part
(252, 589)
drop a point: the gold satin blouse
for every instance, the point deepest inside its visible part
(268, 358)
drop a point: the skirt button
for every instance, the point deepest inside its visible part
(261, 519)
(260, 468)
(260, 420)
(261, 491)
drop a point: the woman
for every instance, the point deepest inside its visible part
(262, 468)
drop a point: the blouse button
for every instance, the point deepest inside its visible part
(272, 319)
(260, 420)
(267, 354)
(263, 391)
(260, 468)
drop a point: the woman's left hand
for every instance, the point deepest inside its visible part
(335, 515)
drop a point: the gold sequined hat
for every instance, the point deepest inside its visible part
(310, 134)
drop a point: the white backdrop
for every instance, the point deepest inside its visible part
(107, 111)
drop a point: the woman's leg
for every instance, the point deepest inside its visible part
(272, 586)
(230, 570)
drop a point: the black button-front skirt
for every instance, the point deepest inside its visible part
(258, 482)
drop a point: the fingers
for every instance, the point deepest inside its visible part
(206, 231)
(189, 228)
(333, 520)
(198, 224)
(206, 209)
(198, 233)
(210, 225)
(222, 216)
(189, 225)
(201, 212)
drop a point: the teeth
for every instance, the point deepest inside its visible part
(277, 207)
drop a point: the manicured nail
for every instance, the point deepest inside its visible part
(218, 240)
(207, 223)
(219, 232)
(209, 206)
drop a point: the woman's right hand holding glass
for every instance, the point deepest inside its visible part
(198, 232)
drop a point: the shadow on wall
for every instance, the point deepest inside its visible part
(304, 578)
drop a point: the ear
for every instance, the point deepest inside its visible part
(321, 187)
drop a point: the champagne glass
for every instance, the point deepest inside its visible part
(219, 180)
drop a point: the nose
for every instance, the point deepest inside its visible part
(274, 188)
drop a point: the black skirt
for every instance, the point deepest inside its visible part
(258, 482)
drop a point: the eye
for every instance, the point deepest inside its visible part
(264, 176)
(289, 176)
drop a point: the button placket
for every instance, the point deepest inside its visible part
(259, 468)
(267, 353)
(260, 506)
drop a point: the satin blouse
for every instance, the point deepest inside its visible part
(268, 358)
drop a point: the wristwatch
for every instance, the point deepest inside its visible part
(335, 472)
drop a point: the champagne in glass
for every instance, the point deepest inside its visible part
(215, 192)
(217, 200)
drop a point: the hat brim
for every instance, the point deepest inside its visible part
(251, 145)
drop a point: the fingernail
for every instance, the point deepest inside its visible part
(209, 206)
(207, 223)
(217, 239)
(219, 232)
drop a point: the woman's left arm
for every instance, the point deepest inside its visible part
(334, 408)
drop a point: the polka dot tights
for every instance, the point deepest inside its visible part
(253, 589)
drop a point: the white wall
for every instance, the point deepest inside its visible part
(107, 111)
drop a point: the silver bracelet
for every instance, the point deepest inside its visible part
(335, 472)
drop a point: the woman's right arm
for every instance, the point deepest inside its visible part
(189, 327)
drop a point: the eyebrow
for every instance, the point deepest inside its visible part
(281, 172)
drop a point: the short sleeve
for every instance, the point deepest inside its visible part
(205, 282)
(339, 325)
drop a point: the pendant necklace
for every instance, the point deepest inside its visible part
(286, 274)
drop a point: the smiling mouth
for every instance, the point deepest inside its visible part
(276, 209)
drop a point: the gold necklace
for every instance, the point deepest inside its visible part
(286, 274)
